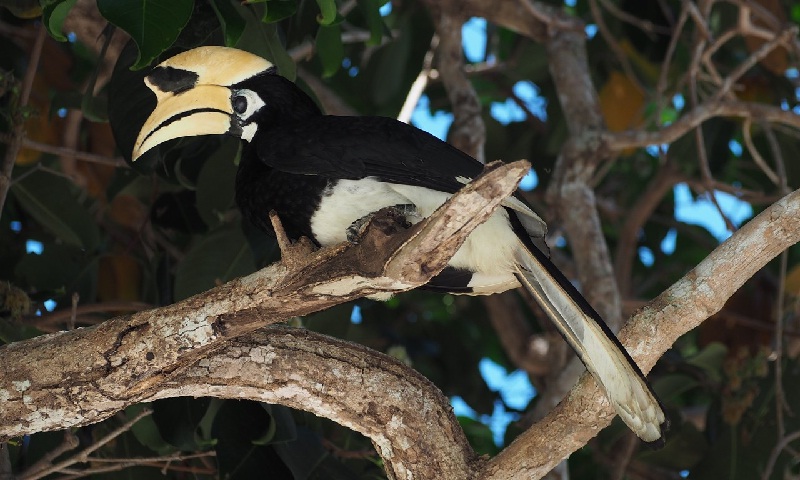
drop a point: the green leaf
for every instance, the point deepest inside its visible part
(219, 256)
(330, 49)
(215, 183)
(277, 53)
(51, 201)
(263, 39)
(147, 433)
(277, 10)
(230, 19)
(153, 24)
(178, 419)
(95, 108)
(711, 359)
(235, 426)
(54, 12)
(206, 423)
(389, 70)
(327, 12)
(371, 10)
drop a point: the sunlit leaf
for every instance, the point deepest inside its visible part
(54, 12)
(327, 11)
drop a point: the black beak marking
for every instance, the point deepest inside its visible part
(174, 80)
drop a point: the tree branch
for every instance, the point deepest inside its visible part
(649, 333)
(18, 133)
(86, 375)
(408, 419)
(468, 133)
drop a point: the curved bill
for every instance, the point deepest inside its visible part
(201, 110)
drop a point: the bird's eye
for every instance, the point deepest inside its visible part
(245, 103)
(239, 104)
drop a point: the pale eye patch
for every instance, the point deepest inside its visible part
(245, 104)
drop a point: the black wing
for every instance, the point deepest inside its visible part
(357, 147)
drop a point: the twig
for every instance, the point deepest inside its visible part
(781, 404)
(554, 20)
(284, 243)
(643, 24)
(747, 127)
(306, 49)
(750, 196)
(468, 132)
(699, 19)
(58, 150)
(83, 456)
(780, 165)
(156, 462)
(340, 452)
(696, 116)
(615, 46)
(623, 459)
(418, 87)
(516, 336)
(57, 316)
(70, 442)
(773, 457)
(19, 128)
(754, 58)
(74, 311)
(641, 210)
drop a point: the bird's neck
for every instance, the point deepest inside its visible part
(286, 102)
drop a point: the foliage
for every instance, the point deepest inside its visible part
(166, 227)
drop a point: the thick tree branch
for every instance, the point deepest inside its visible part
(281, 368)
(649, 333)
(408, 419)
(85, 375)
(468, 133)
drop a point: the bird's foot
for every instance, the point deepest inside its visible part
(389, 220)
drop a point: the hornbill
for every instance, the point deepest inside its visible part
(323, 174)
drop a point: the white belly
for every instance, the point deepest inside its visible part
(489, 249)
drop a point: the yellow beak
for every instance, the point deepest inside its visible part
(201, 110)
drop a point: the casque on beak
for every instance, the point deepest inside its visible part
(202, 110)
(193, 93)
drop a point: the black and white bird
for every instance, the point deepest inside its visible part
(324, 173)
